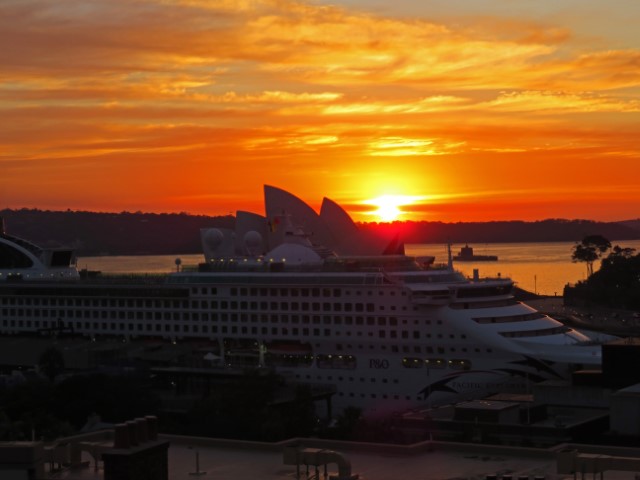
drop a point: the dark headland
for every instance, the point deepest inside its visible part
(126, 233)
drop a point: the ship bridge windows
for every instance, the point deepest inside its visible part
(537, 333)
(510, 318)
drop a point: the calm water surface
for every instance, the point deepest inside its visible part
(541, 267)
(544, 268)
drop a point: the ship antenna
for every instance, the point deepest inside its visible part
(449, 256)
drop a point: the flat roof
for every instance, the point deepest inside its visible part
(242, 460)
(239, 460)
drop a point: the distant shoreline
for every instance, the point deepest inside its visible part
(93, 234)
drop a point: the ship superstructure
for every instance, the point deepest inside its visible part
(311, 297)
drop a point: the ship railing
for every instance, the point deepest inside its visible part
(431, 298)
(498, 278)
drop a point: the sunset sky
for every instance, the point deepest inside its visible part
(472, 110)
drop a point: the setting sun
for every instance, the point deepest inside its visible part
(389, 206)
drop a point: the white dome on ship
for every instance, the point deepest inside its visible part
(293, 253)
(213, 238)
(252, 242)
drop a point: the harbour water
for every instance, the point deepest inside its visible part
(544, 268)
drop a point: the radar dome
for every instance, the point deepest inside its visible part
(213, 238)
(252, 242)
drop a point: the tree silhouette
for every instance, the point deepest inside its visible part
(592, 248)
(616, 284)
(618, 252)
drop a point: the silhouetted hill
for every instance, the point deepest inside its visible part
(633, 224)
(112, 233)
(138, 233)
(552, 230)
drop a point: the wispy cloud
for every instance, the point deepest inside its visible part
(297, 90)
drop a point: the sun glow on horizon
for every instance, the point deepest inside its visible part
(389, 206)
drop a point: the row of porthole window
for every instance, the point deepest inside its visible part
(214, 329)
(284, 292)
(96, 302)
(248, 306)
(94, 327)
(224, 317)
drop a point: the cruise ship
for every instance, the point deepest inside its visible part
(310, 296)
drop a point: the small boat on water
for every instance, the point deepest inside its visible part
(466, 255)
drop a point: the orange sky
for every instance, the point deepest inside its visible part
(483, 112)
